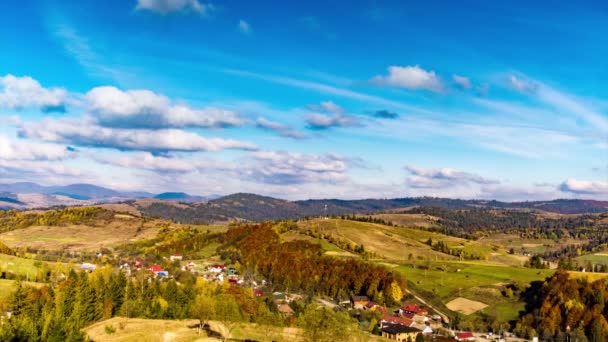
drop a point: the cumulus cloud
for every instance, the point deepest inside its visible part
(28, 150)
(84, 133)
(331, 115)
(410, 77)
(319, 121)
(244, 26)
(385, 114)
(462, 82)
(279, 128)
(25, 92)
(442, 178)
(165, 7)
(294, 168)
(145, 109)
(584, 187)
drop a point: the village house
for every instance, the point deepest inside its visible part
(175, 257)
(413, 309)
(359, 302)
(88, 267)
(465, 336)
(285, 310)
(425, 329)
(279, 298)
(217, 268)
(399, 332)
(391, 319)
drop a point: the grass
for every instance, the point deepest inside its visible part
(480, 281)
(447, 277)
(120, 329)
(90, 237)
(18, 265)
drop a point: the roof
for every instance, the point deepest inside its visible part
(465, 335)
(360, 299)
(413, 308)
(155, 268)
(370, 305)
(397, 320)
(286, 309)
(398, 329)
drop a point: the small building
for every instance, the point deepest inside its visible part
(425, 329)
(359, 302)
(399, 332)
(285, 310)
(162, 274)
(413, 309)
(155, 269)
(88, 267)
(279, 298)
(465, 336)
(175, 257)
(391, 319)
(217, 268)
(258, 293)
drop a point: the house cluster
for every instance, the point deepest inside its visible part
(221, 273)
(282, 302)
(401, 325)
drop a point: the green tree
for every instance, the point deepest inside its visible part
(203, 309)
(321, 324)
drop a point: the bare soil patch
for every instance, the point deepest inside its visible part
(465, 306)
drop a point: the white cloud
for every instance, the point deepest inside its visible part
(521, 85)
(584, 187)
(148, 161)
(443, 178)
(327, 107)
(462, 82)
(282, 130)
(86, 133)
(27, 150)
(326, 89)
(244, 26)
(294, 168)
(410, 77)
(24, 92)
(145, 109)
(322, 121)
(170, 6)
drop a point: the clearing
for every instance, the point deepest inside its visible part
(465, 306)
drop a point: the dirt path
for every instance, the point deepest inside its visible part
(444, 317)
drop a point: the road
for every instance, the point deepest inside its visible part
(444, 317)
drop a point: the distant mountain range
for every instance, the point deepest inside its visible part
(252, 207)
(27, 195)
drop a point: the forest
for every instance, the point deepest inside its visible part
(565, 308)
(13, 219)
(301, 266)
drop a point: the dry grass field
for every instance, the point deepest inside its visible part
(121, 229)
(465, 306)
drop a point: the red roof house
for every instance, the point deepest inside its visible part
(465, 336)
(397, 320)
(413, 309)
(155, 268)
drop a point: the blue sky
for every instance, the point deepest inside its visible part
(312, 100)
